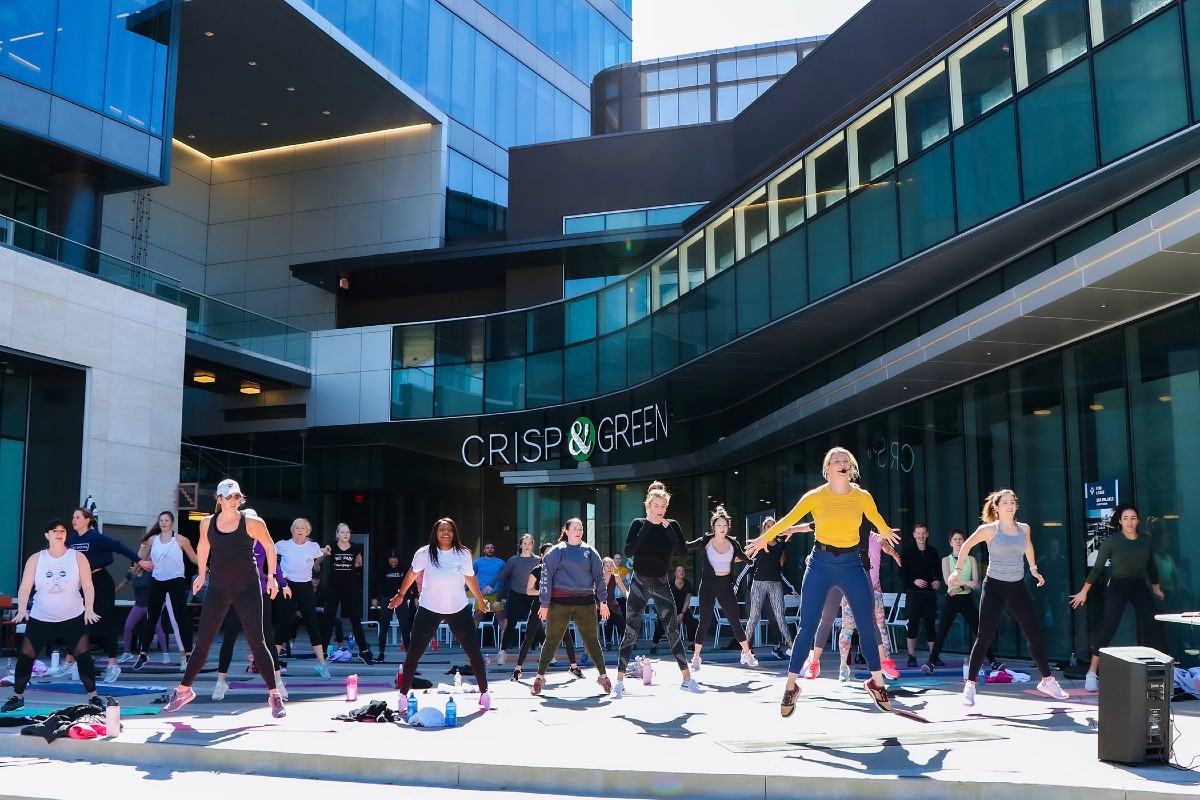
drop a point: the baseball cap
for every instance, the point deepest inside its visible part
(228, 488)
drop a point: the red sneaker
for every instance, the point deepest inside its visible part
(888, 667)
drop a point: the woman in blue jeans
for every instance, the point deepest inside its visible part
(837, 508)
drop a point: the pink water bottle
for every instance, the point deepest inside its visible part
(351, 688)
(647, 671)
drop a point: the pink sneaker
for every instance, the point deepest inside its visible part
(179, 698)
(888, 667)
(811, 669)
(485, 701)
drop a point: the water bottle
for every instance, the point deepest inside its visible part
(451, 714)
(54, 661)
(351, 688)
(328, 651)
(112, 718)
(1074, 660)
(412, 704)
(457, 682)
(350, 643)
(647, 671)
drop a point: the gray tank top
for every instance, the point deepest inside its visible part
(1006, 555)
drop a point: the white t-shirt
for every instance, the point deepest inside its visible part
(296, 560)
(442, 590)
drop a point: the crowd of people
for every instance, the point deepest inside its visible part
(67, 598)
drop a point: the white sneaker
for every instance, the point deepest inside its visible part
(1091, 682)
(283, 692)
(220, 689)
(166, 658)
(111, 673)
(844, 673)
(183, 662)
(696, 663)
(60, 671)
(1049, 686)
(126, 658)
(501, 657)
(748, 658)
(690, 685)
(969, 693)
(73, 672)
(618, 689)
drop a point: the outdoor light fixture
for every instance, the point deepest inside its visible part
(250, 387)
(1096, 407)
(1041, 412)
(204, 376)
(196, 516)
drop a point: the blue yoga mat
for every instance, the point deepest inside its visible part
(41, 711)
(115, 691)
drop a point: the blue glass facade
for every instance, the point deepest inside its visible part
(960, 144)
(109, 56)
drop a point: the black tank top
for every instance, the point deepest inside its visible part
(231, 556)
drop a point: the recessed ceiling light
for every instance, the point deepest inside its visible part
(252, 63)
(264, 124)
(1041, 412)
(1104, 305)
(327, 113)
(209, 33)
(191, 136)
(250, 387)
(204, 376)
(1096, 407)
(291, 88)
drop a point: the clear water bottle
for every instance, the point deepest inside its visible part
(412, 704)
(457, 681)
(647, 671)
(351, 688)
(350, 643)
(451, 714)
(1074, 660)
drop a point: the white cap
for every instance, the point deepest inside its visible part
(228, 488)
(250, 512)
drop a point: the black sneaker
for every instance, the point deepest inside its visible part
(779, 654)
(937, 662)
(381, 659)
(12, 704)
(878, 695)
(97, 701)
(997, 666)
(141, 662)
(654, 648)
(365, 657)
(912, 661)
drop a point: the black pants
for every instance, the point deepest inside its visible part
(717, 589)
(921, 607)
(1013, 595)
(535, 632)
(953, 606)
(303, 600)
(516, 608)
(177, 589)
(687, 625)
(1118, 593)
(73, 635)
(230, 631)
(244, 594)
(105, 605)
(349, 603)
(658, 589)
(425, 625)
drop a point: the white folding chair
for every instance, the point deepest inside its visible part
(649, 620)
(722, 621)
(898, 623)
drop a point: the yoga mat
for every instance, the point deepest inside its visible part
(1073, 692)
(906, 682)
(853, 741)
(42, 711)
(331, 685)
(101, 689)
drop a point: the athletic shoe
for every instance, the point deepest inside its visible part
(219, 689)
(141, 662)
(111, 673)
(1049, 686)
(998, 666)
(788, 704)
(516, 676)
(690, 685)
(183, 662)
(283, 670)
(380, 659)
(97, 701)
(165, 658)
(576, 671)
(654, 648)
(538, 682)
(927, 668)
(605, 683)
(365, 656)
(779, 654)
(485, 701)
(276, 704)
(937, 662)
(844, 673)
(322, 669)
(811, 669)
(1091, 682)
(969, 693)
(179, 698)
(888, 667)
(748, 658)
(879, 694)
(283, 692)
(501, 657)
(912, 661)
(12, 704)
(618, 689)
(125, 658)
(73, 672)
(696, 663)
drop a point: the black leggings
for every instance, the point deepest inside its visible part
(230, 631)
(462, 625)
(349, 602)
(247, 601)
(717, 589)
(687, 626)
(105, 604)
(1130, 590)
(658, 589)
(304, 600)
(996, 596)
(177, 589)
(921, 606)
(954, 605)
(536, 631)
(516, 609)
(38, 634)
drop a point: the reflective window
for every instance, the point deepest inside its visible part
(828, 174)
(1047, 34)
(639, 352)
(665, 339)
(579, 371)
(828, 253)
(985, 168)
(506, 335)
(412, 393)
(504, 385)
(1110, 17)
(753, 294)
(1140, 91)
(875, 241)
(722, 309)
(693, 324)
(544, 379)
(546, 327)
(27, 32)
(926, 201)
(458, 390)
(872, 147)
(82, 46)
(694, 259)
(752, 224)
(136, 77)
(923, 112)
(581, 319)
(789, 274)
(613, 373)
(1058, 139)
(613, 311)
(721, 241)
(1191, 12)
(638, 296)
(981, 74)
(786, 195)
(459, 341)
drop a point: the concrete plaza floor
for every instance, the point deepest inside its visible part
(656, 742)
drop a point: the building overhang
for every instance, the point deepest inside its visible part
(279, 62)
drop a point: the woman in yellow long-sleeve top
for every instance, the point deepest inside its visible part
(837, 508)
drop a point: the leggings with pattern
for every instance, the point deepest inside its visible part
(658, 589)
(759, 591)
(846, 636)
(587, 622)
